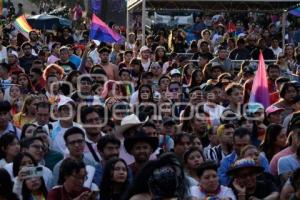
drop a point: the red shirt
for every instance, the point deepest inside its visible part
(274, 97)
(59, 193)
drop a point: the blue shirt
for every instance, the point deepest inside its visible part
(287, 164)
(75, 60)
(229, 160)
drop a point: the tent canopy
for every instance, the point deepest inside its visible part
(216, 5)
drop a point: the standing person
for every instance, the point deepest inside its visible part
(109, 68)
(54, 53)
(115, 180)
(74, 140)
(3, 52)
(64, 61)
(27, 59)
(9, 148)
(141, 146)
(77, 10)
(42, 116)
(274, 140)
(182, 142)
(108, 147)
(223, 60)
(293, 143)
(287, 93)
(193, 158)
(6, 186)
(241, 138)
(209, 184)
(225, 134)
(71, 180)
(66, 38)
(31, 188)
(27, 114)
(66, 113)
(92, 121)
(145, 53)
(245, 183)
(6, 126)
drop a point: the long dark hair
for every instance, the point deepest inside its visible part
(6, 186)
(268, 144)
(164, 58)
(185, 75)
(193, 82)
(5, 141)
(24, 129)
(17, 162)
(26, 193)
(140, 184)
(139, 93)
(107, 184)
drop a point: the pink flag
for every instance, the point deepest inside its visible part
(259, 91)
(102, 32)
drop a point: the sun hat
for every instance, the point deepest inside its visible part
(140, 136)
(131, 121)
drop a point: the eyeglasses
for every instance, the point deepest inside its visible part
(36, 146)
(80, 177)
(80, 142)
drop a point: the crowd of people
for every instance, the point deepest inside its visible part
(82, 119)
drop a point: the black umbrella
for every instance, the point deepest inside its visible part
(45, 21)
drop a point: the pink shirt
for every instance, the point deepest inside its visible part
(274, 162)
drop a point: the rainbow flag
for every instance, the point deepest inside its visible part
(259, 92)
(295, 11)
(22, 26)
(102, 32)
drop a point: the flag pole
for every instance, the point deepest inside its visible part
(284, 15)
(127, 24)
(143, 21)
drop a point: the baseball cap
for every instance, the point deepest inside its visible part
(64, 101)
(175, 72)
(272, 109)
(216, 64)
(144, 48)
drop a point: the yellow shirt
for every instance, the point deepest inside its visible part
(20, 120)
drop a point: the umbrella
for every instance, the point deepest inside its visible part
(45, 21)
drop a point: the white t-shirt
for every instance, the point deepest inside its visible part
(47, 174)
(225, 192)
(214, 113)
(276, 51)
(146, 65)
(3, 55)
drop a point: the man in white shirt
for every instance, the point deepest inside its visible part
(275, 47)
(66, 113)
(3, 52)
(145, 53)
